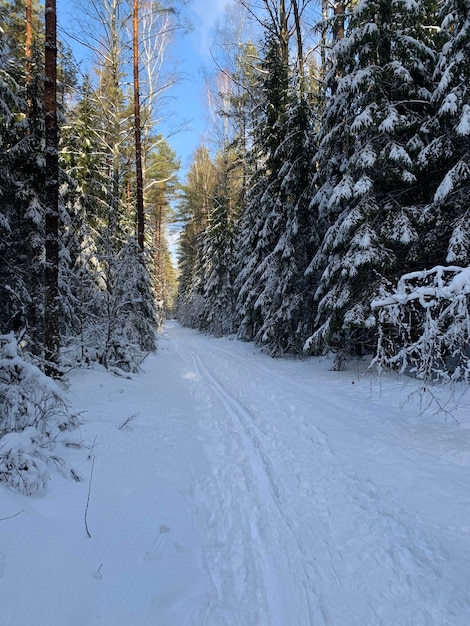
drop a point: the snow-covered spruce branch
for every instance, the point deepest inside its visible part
(424, 325)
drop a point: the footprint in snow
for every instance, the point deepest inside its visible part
(179, 548)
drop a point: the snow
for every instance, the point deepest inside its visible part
(399, 154)
(245, 491)
(464, 125)
(450, 104)
(363, 186)
(435, 284)
(400, 229)
(365, 119)
(409, 5)
(365, 158)
(389, 124)
(445, 187)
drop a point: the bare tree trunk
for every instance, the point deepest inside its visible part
(51, 275)
(324, 32)
(29, 54)
(158, 256)
(283, 33)
(339, 11)
(29, 40)
(138, 135)
(300, 51)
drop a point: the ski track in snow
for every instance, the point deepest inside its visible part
(247, 491)
(295, 536)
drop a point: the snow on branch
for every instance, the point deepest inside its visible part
(424, 325)
(33, 413)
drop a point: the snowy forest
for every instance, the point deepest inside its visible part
(335, 213)
(327, 212)
(86, 183)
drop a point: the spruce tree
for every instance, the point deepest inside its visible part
(217, 248)
(21, 178)
(193, 212)
(84, 196)
(260, 220)
(277, 233)
(161, 190)
(445, 229)
(434, 346)
(368, 193)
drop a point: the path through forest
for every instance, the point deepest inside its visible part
(245, 491)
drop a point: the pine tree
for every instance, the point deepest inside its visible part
(51, 195)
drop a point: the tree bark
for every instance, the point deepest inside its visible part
(29, 40)
(300, 51)
(51, 226)
(324, 32)
(138, 134)
(339, 15)
(29, 54)
(283, 33)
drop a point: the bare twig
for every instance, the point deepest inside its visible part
(75, 476)
(88, 498)
(11, 516)
(427, 393)
(90, 454)
(98, 573)
(126, 422)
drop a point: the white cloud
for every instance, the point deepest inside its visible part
(205, 15)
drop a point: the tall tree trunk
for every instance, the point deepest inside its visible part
(29, 40)
(283, 33)
(138, 134)
(29, 54)
(158, 256)
(300, 51)
(324, 33)
(51, 275)
(339, 14)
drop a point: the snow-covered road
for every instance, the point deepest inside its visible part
(247, 491)
(301, 529)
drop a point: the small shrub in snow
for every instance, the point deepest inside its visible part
(33, 412)
(24, 460)
(424, 325)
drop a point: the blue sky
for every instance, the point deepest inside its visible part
(192, 50)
